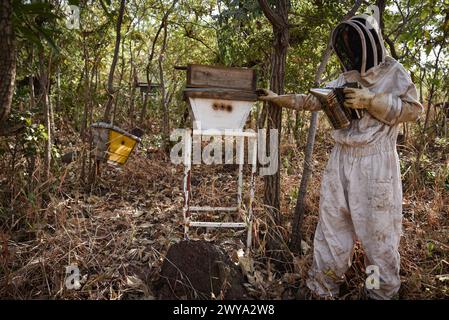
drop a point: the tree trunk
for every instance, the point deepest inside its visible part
(122, 72)
(423, 144)
(31, 82)
(7, 61)
(58, 87)
(262, 116)
(86, 90)
(432, 89)
(44, 88)
(299, 115)
(278, 18)
(107, 111)
(165, 118)
(289, 122)
(132, 86)
(150, 60)
(143, 111)
(274, 114)
(86, 97)
(295, 242)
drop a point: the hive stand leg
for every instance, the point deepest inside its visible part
(187, 173)
(240, 159)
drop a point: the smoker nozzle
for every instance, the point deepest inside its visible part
(321, 93)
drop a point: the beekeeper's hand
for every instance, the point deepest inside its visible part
(358, 98)
(382, 106)
(266, 95)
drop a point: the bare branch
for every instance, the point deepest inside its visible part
(274, 18)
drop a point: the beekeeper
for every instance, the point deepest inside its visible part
(361, 193)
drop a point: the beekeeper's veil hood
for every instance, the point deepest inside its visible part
(358, 44)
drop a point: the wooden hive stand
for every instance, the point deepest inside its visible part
(220, 100)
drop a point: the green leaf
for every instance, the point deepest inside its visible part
(46, 34)
(430, 248)
(105, 8)
(29, 35)
(41, 9)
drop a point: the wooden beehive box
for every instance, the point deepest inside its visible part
(220, 97)
(201, 76)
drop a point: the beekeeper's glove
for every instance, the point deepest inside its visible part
(378, 105)
(291, 101)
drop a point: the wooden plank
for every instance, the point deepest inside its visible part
(202, 76)
(223, 94)
(207, 208)
(108, 126)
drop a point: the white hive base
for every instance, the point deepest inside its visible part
(219, 114)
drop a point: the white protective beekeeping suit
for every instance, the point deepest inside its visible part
(361, 193)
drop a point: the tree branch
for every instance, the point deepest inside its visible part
(110, 88)
(390, 43)
(274, 18)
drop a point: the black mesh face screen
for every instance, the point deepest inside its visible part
(369, 49)
(348, 47)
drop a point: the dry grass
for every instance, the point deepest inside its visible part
(118, 234)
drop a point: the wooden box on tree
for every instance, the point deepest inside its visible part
(112, 144)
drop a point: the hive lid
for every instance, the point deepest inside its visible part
(203, 76)
(105, 125)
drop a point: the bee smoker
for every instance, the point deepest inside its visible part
(332, 100)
